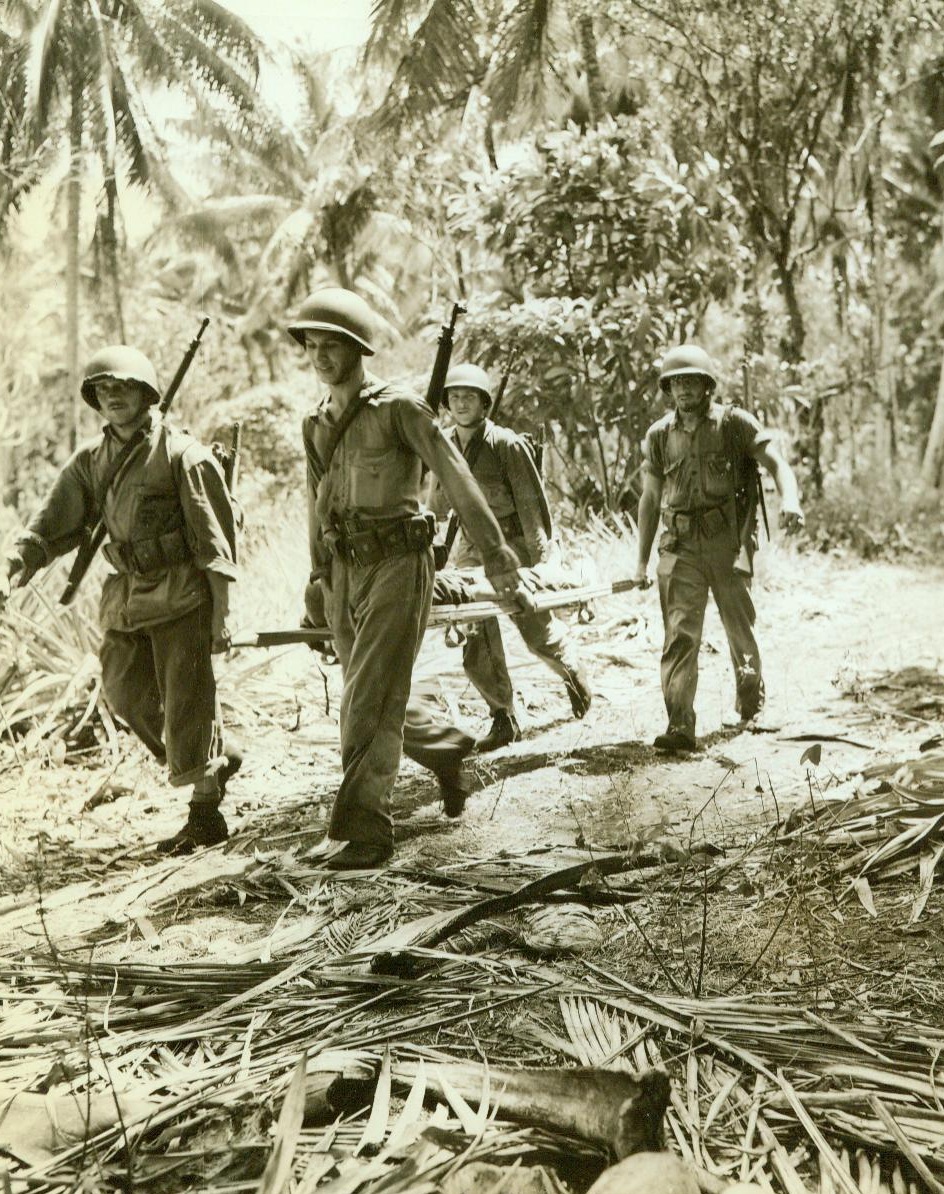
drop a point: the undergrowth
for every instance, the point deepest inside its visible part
(877, 520)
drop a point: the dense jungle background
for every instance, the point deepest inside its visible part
(594, 180)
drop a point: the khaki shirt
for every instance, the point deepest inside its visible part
(376, 472)
(696, 467)
(512, 486)
(168, 479)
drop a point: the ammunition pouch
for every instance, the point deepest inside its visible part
(365, 543)
(696, 524)
(142, 557)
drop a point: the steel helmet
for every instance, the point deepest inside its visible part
(123, 363)
(470, 377)
(687, 358)
(335, 309)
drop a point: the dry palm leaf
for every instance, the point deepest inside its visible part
(288, 1129)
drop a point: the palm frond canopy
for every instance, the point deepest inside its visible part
(437, 68)
(528, 48)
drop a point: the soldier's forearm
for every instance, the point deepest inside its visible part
(648, 525)
(786, 482)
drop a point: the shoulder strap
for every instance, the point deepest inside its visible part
(111, 473)
(319, 465)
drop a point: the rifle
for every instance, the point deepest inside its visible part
(437, 379)
(229, 460)
(748, 403)
(445, 615)
(452, 527)
(96, 536)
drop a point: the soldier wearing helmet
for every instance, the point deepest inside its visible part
(502, 464)
(370, 540)
(172, 548)
(698, 461)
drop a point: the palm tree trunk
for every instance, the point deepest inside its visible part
(74, 205)
(110, 239)
(883, 354)
(934, 449)
(591, 62)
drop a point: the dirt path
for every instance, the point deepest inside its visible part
(567, 784)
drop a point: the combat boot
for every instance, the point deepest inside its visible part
(234, 760)
(504, 730)
(205, 827)
(359, 856)
(579, 692)
(454, 789)
(675, 742)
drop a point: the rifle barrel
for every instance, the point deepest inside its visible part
(434, 391)
(87, 552)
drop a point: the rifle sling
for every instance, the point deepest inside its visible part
(111, 473)
(318, 465)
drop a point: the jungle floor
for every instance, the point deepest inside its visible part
(760, 918)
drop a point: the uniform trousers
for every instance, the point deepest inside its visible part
(159, 680)
(483, 654)
(377, 614)
(690, 571)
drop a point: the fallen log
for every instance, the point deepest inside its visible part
(615, 1108)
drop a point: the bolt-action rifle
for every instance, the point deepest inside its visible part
(437, 379)
(748, 404)
(96, 536)
(748, 489)
(229, 458)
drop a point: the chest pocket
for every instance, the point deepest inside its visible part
(156, 514)
(491, 479)
(373, 475)
(716, 480)
(677, 493)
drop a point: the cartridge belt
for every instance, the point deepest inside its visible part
(691, 524)
(360, 542)
(142, 557)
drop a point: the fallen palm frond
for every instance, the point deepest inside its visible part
(913, 693)
(759, 1087)
(894, 821)
(50, 692)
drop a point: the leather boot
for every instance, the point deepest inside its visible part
(504, 730)
(234, 760)
(579, 692)
(454, 790)
(675, 742)
(359, 856)
(205, 827)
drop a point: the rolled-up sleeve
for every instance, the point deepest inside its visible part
(652, 453)
(417, 428)
(209, 515)
(751, 435)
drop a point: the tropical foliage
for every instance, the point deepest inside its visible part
(594, 181)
